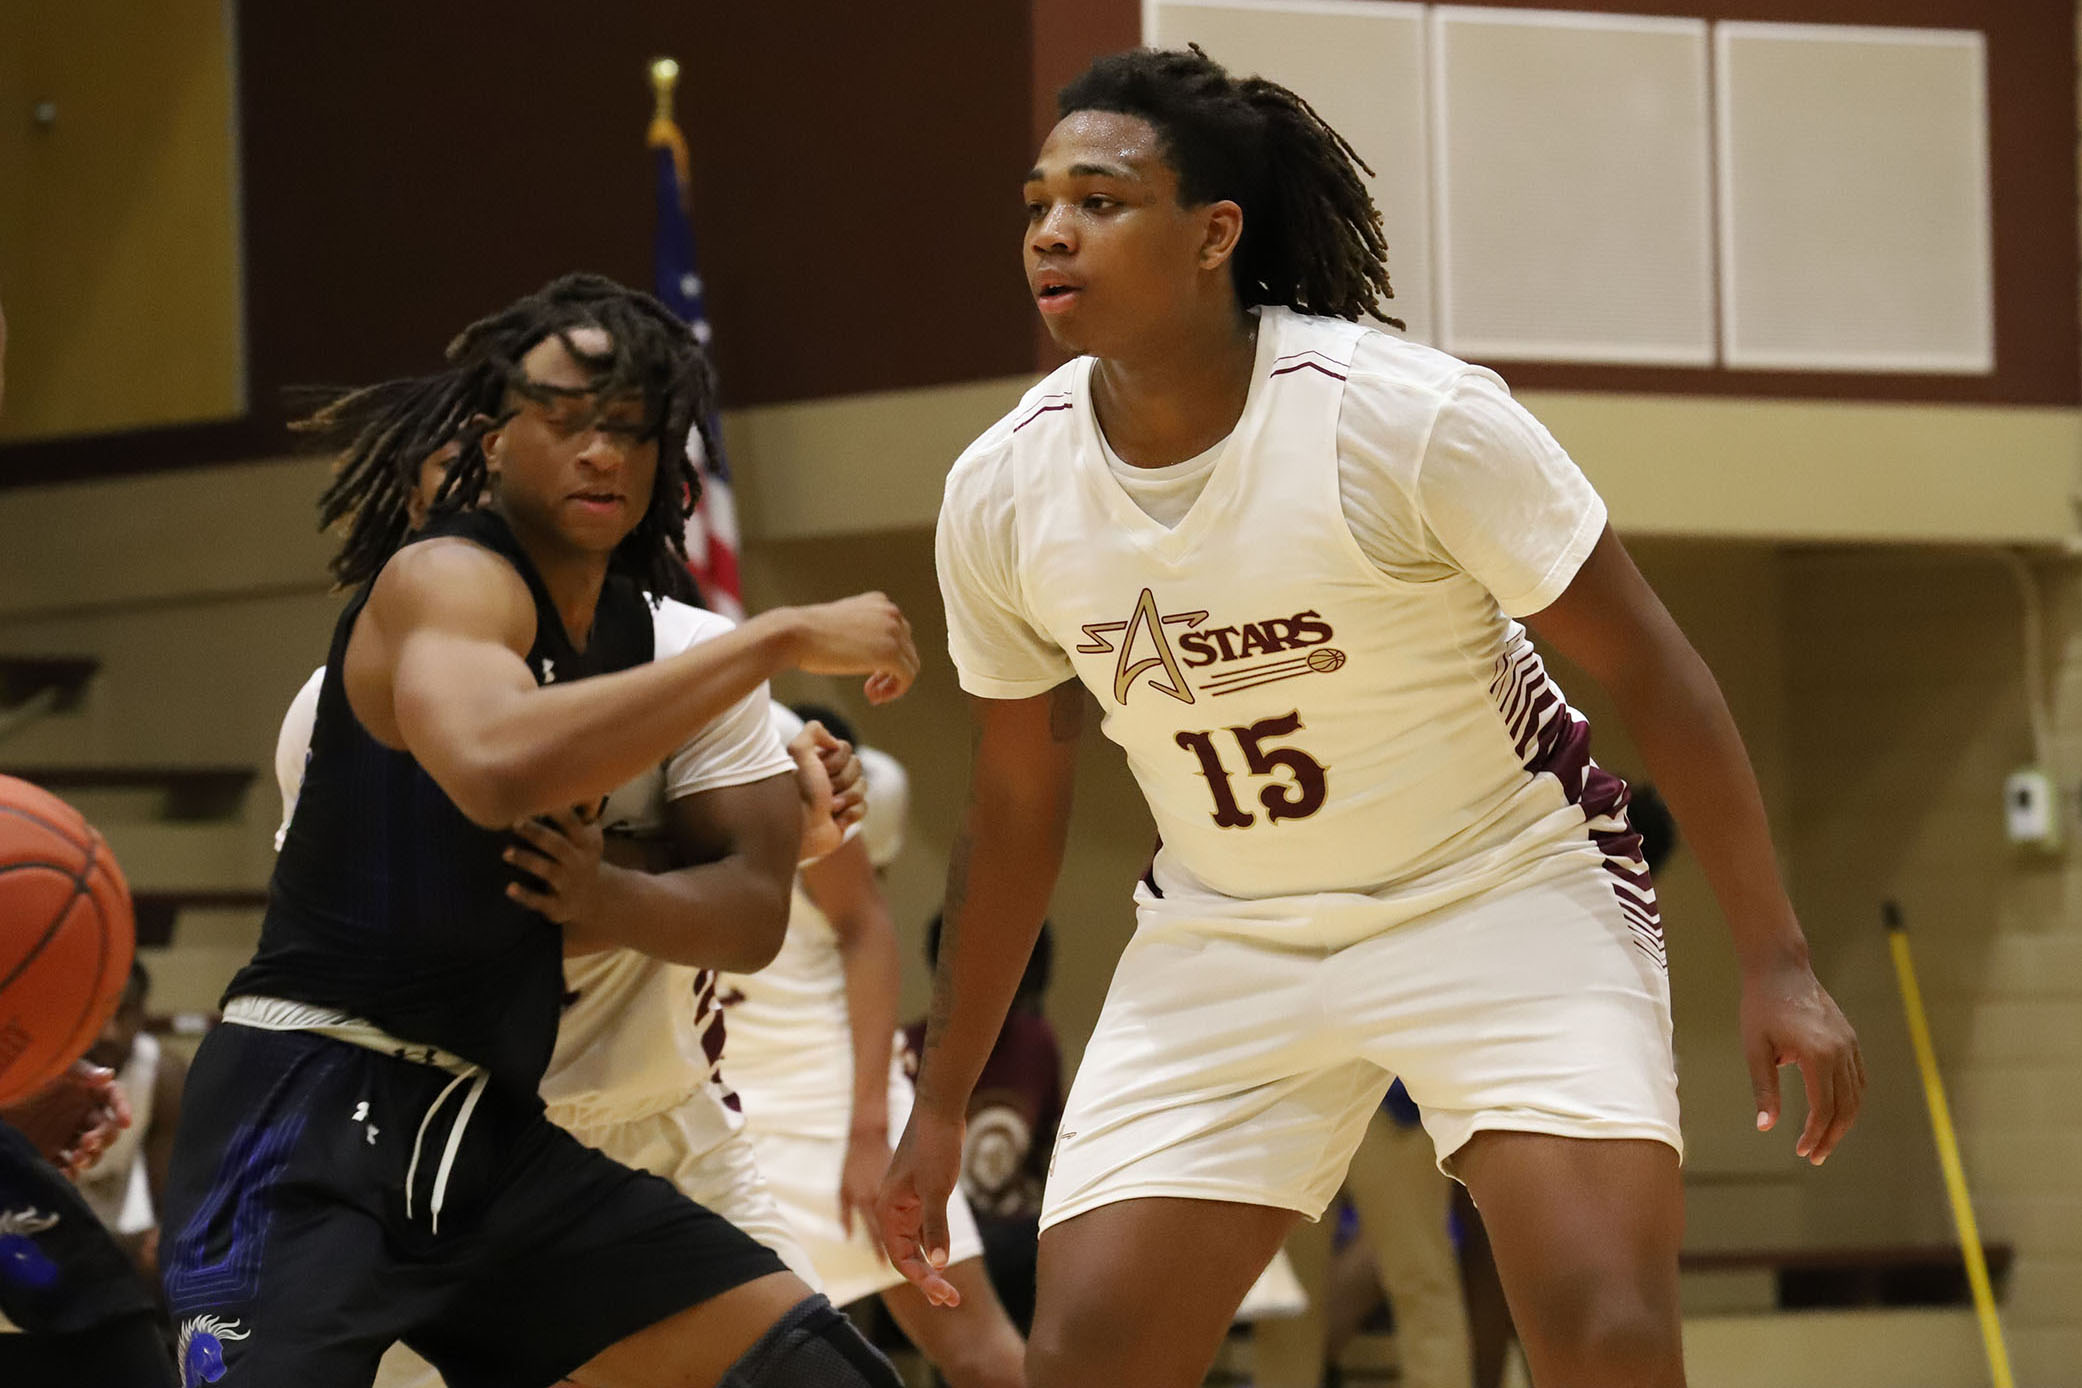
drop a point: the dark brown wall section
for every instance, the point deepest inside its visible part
(1068, 34)
(407, 168)
(410, 167)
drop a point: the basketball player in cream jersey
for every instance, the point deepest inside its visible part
(812, 1055)
(1294, 560)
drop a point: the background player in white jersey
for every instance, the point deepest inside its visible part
(1288, 555)
(125, 1188)
(811, 1053)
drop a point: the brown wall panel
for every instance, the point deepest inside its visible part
(409, 167)
(1067, 35)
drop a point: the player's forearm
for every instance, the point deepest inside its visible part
(721, 915)
(1681, 723)
(867, 951)
(1002, 871)
(569, 744)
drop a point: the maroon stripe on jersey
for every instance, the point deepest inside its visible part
(1552, 739)
(708, 1017)
(1045, 409)
(1308, 366)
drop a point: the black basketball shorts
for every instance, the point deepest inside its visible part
(327, 1200)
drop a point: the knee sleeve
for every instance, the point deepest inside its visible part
(813, 1346)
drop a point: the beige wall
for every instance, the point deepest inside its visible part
(119, 261)
(1907, 676)
(1879, 688)
(1697, 466)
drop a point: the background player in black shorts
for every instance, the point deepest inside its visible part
(363, 1157)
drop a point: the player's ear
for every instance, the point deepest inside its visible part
(1224, 228)
(491, 436)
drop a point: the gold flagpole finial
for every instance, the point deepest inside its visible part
(665, 78)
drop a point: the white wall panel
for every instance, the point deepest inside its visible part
(1572, 186)
(1854, 198)
(1362, 66)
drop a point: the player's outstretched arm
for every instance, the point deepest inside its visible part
(999, 877)
(1610, 622)
(435, 666)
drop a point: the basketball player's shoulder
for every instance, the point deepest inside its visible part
(1021, 437)
(679, 625)
(1385, 360)
(1394, 397)
(444, 578)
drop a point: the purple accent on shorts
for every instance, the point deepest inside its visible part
(1045, 409)
(1552, 739)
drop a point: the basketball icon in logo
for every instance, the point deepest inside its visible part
(1325, 659)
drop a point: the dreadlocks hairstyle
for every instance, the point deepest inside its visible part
(1312, 237)
(382, 434)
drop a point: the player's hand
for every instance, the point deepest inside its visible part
(821, 834)
(74, 1118)
(1788, 1018)
(564, 857)
(834, 792)
(864, 635)
(911, 1209)
(848, 778)
(860, 1177)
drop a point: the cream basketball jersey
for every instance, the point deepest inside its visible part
(791, 1037)
(640, 1035)
(1302, 722)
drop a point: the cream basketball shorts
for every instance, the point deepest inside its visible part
(1225, 1067)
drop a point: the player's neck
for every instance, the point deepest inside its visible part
(574, 577)
(1178, 393)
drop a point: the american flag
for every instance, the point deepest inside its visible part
(712, 539)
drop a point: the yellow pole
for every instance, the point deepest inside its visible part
(1948, 1150)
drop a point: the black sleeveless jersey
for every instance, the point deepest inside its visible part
(388, 903)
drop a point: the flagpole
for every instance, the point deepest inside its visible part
(712, 533)
(665, 131)
(665, 80)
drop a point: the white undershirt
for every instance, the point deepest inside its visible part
(1165, 493)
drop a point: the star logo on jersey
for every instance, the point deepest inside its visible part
(1145, 647)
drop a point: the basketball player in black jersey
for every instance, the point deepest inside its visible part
(363, 1157)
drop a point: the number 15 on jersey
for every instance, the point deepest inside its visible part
(1284, 798)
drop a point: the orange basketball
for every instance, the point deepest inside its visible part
(66, 937)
